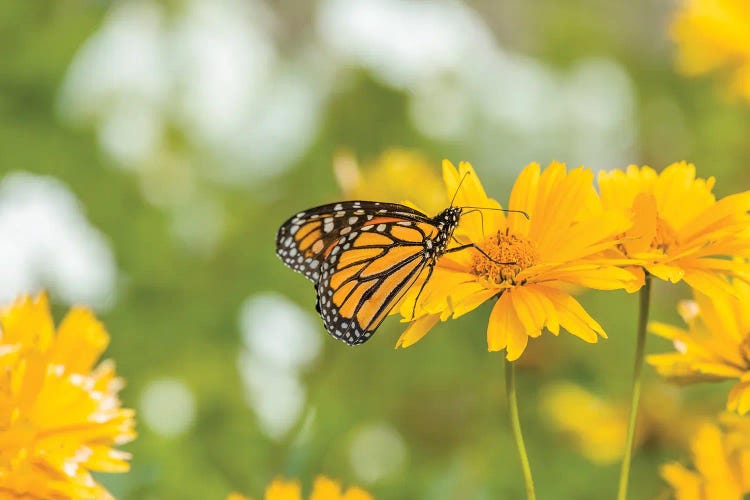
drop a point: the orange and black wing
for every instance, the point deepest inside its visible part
(369, 273)
(362, 256)
(306, 240)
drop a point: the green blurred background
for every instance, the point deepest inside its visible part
(150, 149)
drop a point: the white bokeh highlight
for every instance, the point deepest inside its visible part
(167, 407)
(209, 70)
(47, 243)
(377, 451)
(215, 72)
(505, 109)
(280, 341)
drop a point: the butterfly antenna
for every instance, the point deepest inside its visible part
(506, 210)
(481, 216)
(459, 187)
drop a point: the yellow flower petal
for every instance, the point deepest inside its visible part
(597, 277)
(471, 194)
(573, 317)
(473, 300)
(710, 458)
(28, 322)
(417, 329)
(715, 346)
(80, 340)
(355, 493)
(505, 329)
(666, 272)
(739, 398)
(60, 416)
(530, 310)
(281, 489)
(687, 484)
(708, 283)
(523, 197)
(325, 489)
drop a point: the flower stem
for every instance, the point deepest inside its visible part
(645, 296)
(515, 423)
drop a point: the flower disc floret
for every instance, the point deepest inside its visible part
(509, 255)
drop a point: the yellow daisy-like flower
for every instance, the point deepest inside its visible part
(59, 413)
(555, 248)
(396, 175)
(722, 465)
(713, 35)
(715, 346)
(680, 231)
(324, 488)
(598, 427)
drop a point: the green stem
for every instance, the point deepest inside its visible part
(640, 350)
(515, 423)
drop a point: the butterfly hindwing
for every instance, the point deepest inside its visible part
(361, 283)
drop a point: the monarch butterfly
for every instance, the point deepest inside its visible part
(363, 256)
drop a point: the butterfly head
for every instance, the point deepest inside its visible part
(449, 217)
(446, 222)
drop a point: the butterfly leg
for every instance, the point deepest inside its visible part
(478, 249)
(424, 283)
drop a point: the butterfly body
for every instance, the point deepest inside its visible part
(362, 257)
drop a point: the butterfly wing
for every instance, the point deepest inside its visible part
(368, 272)
(306, 240)
(362, 256)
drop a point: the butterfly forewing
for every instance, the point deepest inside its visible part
(307, 239)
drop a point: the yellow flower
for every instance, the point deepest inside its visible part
(398, 174)
(722, 465)
(680, 231)
(556, 248)
(713, 35)
(323, 489)
(59, 413)
(598, 427)
(715, 346)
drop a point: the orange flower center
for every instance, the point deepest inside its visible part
(665, 236)
(509, 256)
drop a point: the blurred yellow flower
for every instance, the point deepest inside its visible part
(714, 35)
(397, 175)
(323, 489)
(679, 230)
(598, 427)
(721, 459)
(558, 246)
(59, 413)
(715, 346)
